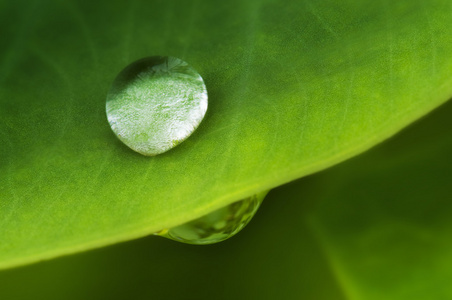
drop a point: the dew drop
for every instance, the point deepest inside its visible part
(218, 225)
(156, 103)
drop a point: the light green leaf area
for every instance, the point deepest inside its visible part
(294, 87)
(375, 227)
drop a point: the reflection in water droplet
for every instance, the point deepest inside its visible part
(217, 226)
(156, 103)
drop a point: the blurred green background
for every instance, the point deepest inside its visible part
(375, 227)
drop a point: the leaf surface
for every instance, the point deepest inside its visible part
(375, 227)
(294, 87)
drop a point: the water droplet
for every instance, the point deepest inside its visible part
(155, 103)
(217, 226)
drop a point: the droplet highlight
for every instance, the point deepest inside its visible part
(156, 103)
(218, 225)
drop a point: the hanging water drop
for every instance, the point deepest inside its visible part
(218, 225)
(155, 103)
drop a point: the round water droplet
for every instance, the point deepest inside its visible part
(155, 103)
(217, 226)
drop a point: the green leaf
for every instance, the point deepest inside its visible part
(375, 227)
(294, 87)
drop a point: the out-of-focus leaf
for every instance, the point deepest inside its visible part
(385, 218)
